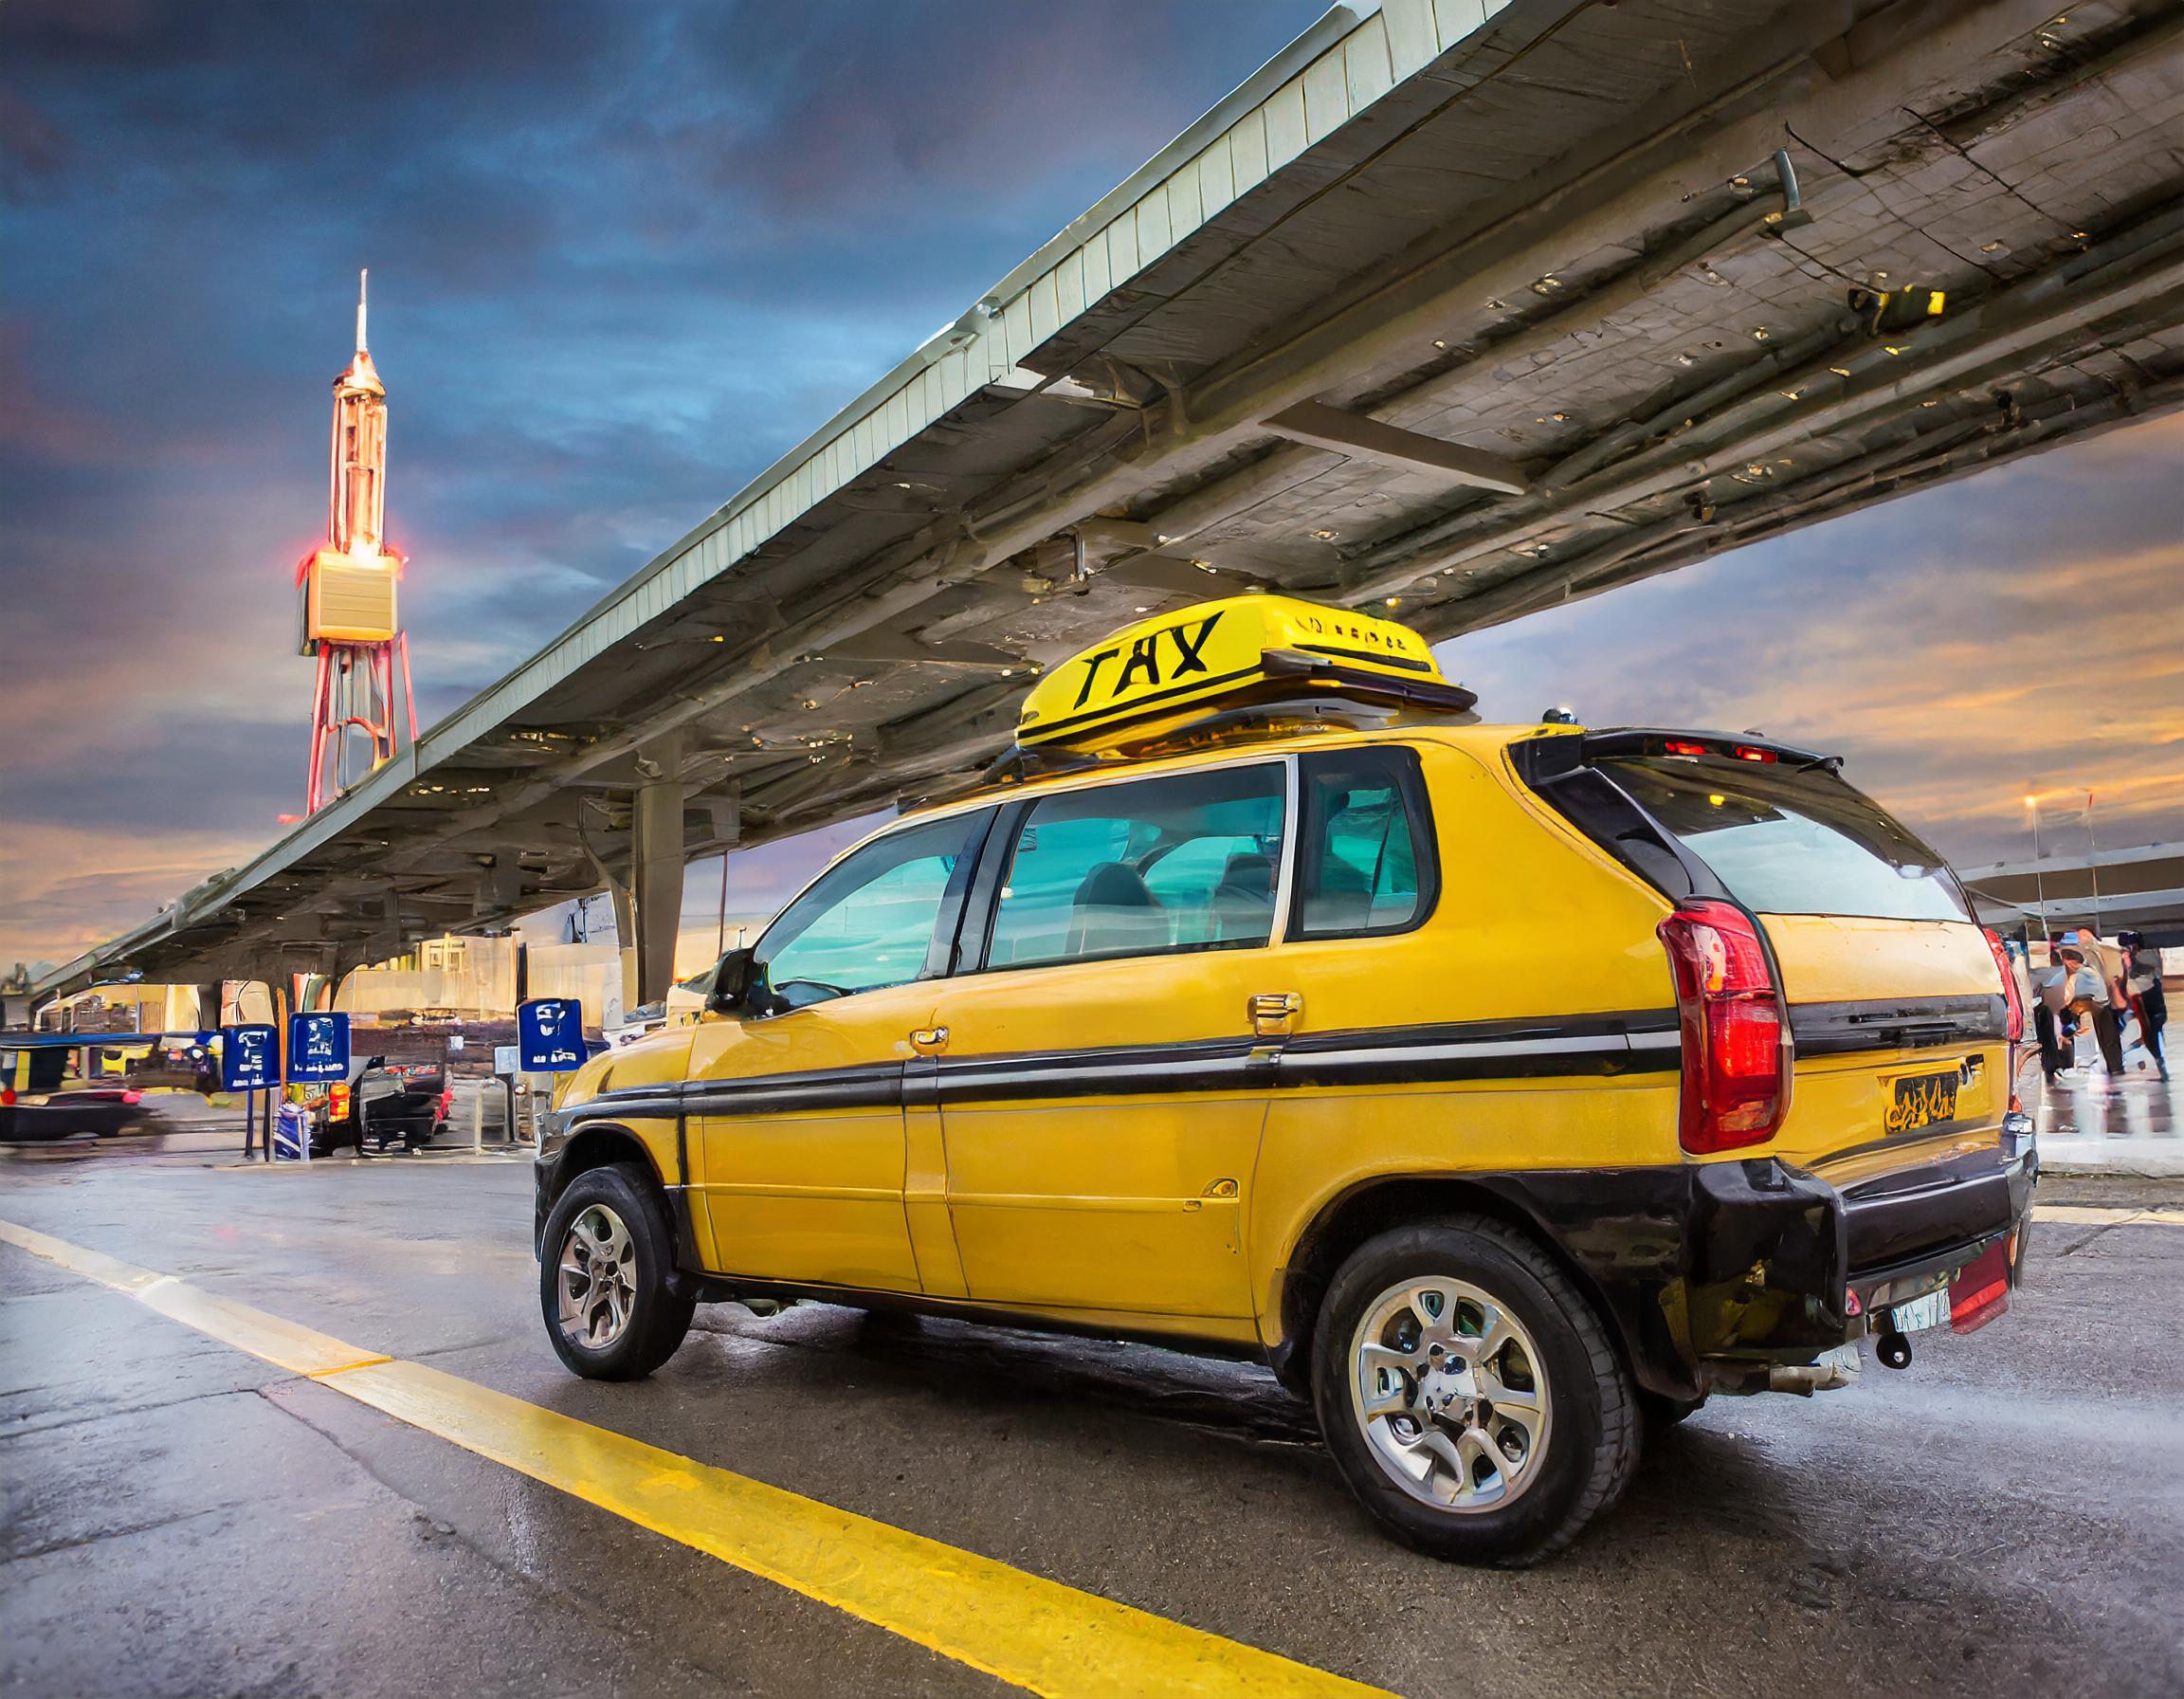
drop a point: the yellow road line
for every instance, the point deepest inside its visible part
(2091, 1215)
(1026, 1629)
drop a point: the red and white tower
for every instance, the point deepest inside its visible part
(346, 613)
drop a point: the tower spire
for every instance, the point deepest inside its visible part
(363, 278)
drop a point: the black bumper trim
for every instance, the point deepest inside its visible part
(1754, 1261)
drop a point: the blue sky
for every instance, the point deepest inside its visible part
(622, 257)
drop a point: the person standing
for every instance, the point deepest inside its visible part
(2149, 1000)
(2090, 998)
(2050, 1008)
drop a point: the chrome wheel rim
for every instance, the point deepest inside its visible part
(598, 1278)
(1448, 1391)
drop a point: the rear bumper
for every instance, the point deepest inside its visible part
(1713, 1272)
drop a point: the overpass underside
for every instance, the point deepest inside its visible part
(1480, 312)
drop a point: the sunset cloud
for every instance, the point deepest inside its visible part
(2018, 633)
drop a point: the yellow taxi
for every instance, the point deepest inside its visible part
(1504, 1088)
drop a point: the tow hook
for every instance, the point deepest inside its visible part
(1894, 1350)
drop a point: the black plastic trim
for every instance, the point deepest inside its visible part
(1898, 1024)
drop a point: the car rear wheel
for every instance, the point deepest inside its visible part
(1470, 1394)
(603, 1277)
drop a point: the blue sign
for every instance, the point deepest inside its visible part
(549, 1034)
(250, 1059)
(318, 1048)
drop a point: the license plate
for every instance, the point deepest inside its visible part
(1923, 1099)
(1923, 1314)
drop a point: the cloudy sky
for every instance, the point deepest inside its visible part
(622, 257)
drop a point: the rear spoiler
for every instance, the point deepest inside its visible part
(1548, 758)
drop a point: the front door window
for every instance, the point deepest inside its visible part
(1165, 865)
(868, 922)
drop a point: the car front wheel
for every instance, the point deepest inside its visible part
(603, 1277)
(1470, 1394)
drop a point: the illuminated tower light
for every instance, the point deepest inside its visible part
(346, 613)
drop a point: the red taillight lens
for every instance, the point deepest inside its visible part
(7, 1097)
(1675, 746)
(1746, 752)
(1730, 1012)
(132, 1097)
(2010, 991)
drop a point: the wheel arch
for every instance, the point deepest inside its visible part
(603, 1144)
(1373, 1206)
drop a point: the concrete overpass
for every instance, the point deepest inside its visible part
(1469, 307)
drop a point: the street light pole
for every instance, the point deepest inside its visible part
(2093, 862)
(2039, 874)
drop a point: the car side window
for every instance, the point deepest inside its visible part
(868, 921)
(1366, 863)
(1185, 862)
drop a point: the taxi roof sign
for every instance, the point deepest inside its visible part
(1239, 649)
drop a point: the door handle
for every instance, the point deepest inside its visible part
(928, 1038)
(1274, 1012)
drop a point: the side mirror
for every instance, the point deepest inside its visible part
(729, 983)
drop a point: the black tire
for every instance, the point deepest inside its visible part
(656, 1320)
(1593, 1433)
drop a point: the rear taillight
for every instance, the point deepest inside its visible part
(7, 1097)
(132, 1097)
(1730, 1012)
(2009, 993)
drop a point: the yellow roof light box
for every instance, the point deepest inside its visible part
(1237, 651)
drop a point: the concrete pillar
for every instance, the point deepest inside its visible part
(656, 876)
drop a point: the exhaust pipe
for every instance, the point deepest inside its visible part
(1806, 1378)
(1894, 1350)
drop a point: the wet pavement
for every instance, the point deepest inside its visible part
(184, 1519)
(2132, 1123)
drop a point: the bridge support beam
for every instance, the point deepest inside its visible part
(655, 875)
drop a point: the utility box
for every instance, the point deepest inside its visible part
(347, 600)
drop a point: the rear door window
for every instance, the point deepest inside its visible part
(1790, 840)
(1366, 863)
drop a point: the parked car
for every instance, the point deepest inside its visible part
(380, 1104)
(37, 1106)
(1504, 1088)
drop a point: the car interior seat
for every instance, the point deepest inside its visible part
(1113, 913)
(1243, 901)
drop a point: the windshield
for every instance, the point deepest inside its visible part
(1790, 840)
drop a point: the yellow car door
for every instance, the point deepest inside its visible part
(1100, 1103)
(795, 1118)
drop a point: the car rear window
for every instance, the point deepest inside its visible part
(1791, 840)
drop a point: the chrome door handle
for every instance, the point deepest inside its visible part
(1274, 1012)
(928, 1038)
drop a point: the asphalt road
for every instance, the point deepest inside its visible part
(184, 1519)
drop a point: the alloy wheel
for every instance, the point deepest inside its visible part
(598, 1278)
(1448, 1390)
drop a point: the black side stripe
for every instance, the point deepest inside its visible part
(1601, 1044)
(1639, 1041)
(635, 1102)
(1896, 1024)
